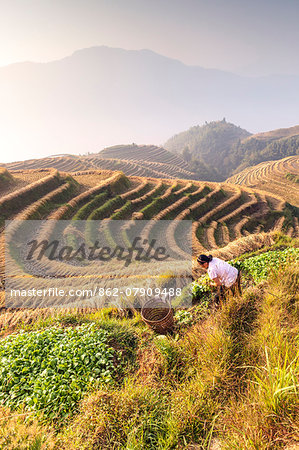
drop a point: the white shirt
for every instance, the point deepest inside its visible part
(226, 273)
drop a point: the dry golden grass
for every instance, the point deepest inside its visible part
(245, 244)
(20, 431)
(22, 179)
(271, 176)
(46, 177)
(90, 178)
(154, 166)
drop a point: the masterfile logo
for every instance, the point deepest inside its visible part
(96, 263)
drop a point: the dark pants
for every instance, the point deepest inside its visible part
(223, 291)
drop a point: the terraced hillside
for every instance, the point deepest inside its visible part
(226, 218)
(150, 153)
(145, 161)
(277, 177)
(279, 133)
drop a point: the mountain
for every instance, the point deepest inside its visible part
(101, 96)
(227, 149)
(210, 144)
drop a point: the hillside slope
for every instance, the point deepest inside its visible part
(149, 153)
(148, 161)
(280, 133)
(276, 144)
(210, 144)
(227, 149)
(278, 177)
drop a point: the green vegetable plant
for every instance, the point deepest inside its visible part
(259, 267)
(201, 289)
(48, 371)
(183, 317)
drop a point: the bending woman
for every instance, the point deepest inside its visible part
(223, 275)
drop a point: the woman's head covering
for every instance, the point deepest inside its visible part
(204, 259)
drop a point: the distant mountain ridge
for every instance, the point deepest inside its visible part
(101, 96)
(209, 153)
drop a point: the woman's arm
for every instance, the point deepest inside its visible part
(216, 281)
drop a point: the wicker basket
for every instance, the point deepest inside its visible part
(158, 315)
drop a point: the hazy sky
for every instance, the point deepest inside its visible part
(255, 37)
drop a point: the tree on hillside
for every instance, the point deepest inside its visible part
(187, 154)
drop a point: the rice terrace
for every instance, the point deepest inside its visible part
(149, 225)
(100, 378)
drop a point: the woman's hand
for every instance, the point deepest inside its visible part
(216, 281)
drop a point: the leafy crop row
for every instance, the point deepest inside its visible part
(107, 208)
(48, 371)
(87, 209)
(259, 267)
